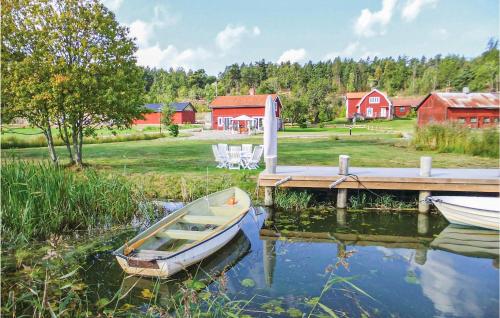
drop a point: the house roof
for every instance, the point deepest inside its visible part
(467, 100)
(241, 101)
(356, 94)
(178, 107)
(181, 106)
(406, 101)
(154, 107)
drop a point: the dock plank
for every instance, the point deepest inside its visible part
(469, 180)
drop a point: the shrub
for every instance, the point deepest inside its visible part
(456, 138)
(174, 130)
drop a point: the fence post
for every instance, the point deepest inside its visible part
(425, 171)
(342, 193)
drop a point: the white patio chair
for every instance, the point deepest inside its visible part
(223, 151)
(246, 148)
(221, 161)
(253, 162)
(235, 148)
(234, 161)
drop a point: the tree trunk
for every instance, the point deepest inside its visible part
(63, 131)
(80, 147)
(76, 144)
(50, 145)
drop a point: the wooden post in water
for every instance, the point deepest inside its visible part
(270, 169)
(425, 171)
(268, 196)
(341, 217)
(343, 171)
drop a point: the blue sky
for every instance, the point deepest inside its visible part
(212, 34)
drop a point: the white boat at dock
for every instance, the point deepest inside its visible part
(186, 236)
(481, 212)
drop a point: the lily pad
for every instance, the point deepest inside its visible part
(411, 278)
(294, 312)
(248, 282)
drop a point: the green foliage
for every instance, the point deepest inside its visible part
(39, 199)
(167, 114)
(292, 200)
(457, 138)
(9, 142)
(174, 130)
(68, 65)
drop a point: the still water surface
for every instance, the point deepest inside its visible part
(381, 265)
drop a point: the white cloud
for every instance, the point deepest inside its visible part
(112, 5)
(232, 35)
(353, 49)
(442, 32)
(293, 56)
(155, 56)
(143, 31)
(373, 23)
(412, 8)
(348, 51)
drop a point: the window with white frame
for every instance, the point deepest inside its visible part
(486, 120)
(224, 122)
(374, 100)
(258, 122)
(369, 112)
(220, 121)
(473, 119)
(461, 120)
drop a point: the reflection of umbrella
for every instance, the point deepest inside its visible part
(270, 135)
(243, 118)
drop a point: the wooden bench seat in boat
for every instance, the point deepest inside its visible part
(206, 219)
(225, 210)
(149, 254)
(183, 235)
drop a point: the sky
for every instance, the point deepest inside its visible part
(213, 34)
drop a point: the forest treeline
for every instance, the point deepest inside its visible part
(314, 91)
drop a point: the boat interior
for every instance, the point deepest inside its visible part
(192, 223)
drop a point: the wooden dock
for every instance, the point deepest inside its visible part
(423, 179)
(317, 177)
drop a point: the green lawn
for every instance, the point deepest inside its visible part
(399, 125)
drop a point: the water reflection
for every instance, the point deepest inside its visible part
(412, 265)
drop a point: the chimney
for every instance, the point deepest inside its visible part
(251, 91)
(465, 90)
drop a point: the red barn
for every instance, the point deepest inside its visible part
(371, 105)
(476, 110)
(184, 114)
(403, 105)
(225, 108)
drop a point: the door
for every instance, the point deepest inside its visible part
(383, 112)
(369, 112)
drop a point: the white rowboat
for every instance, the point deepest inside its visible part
(473, 211)
(186, 236)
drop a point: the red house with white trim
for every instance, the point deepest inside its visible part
(225, 108)
(475, 110)
(370, 105)
(402, 106)
(184, 114)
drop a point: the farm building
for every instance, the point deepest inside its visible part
(226, 108)
(402, 106)
(368, 105)
(476, 110)
(184, 114)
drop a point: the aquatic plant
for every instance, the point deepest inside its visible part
(292, 199)
(40, 200)
(383, 202)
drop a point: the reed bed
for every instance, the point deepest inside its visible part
(456, 138)
(292, 200)
(39, 200)
(9, 142)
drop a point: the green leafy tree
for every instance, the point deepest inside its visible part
(75, 68)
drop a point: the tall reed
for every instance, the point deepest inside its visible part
(39, 199)
(456, 138)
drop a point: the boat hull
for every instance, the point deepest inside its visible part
(472, 211)
(170, 266)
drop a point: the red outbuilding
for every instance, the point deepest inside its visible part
(225, 108)
(475, 110)
(368, 105)
(184, 113)
(403, 105)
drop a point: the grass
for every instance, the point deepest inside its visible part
(396, 125)
(455, 138)
(39, 200)
(291, 200)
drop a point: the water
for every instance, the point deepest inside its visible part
(380, 265)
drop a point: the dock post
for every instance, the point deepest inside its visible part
(341, 217)
(425, 171)
(268, 196)
(343, 171)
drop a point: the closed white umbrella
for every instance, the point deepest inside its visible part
(270, 136)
